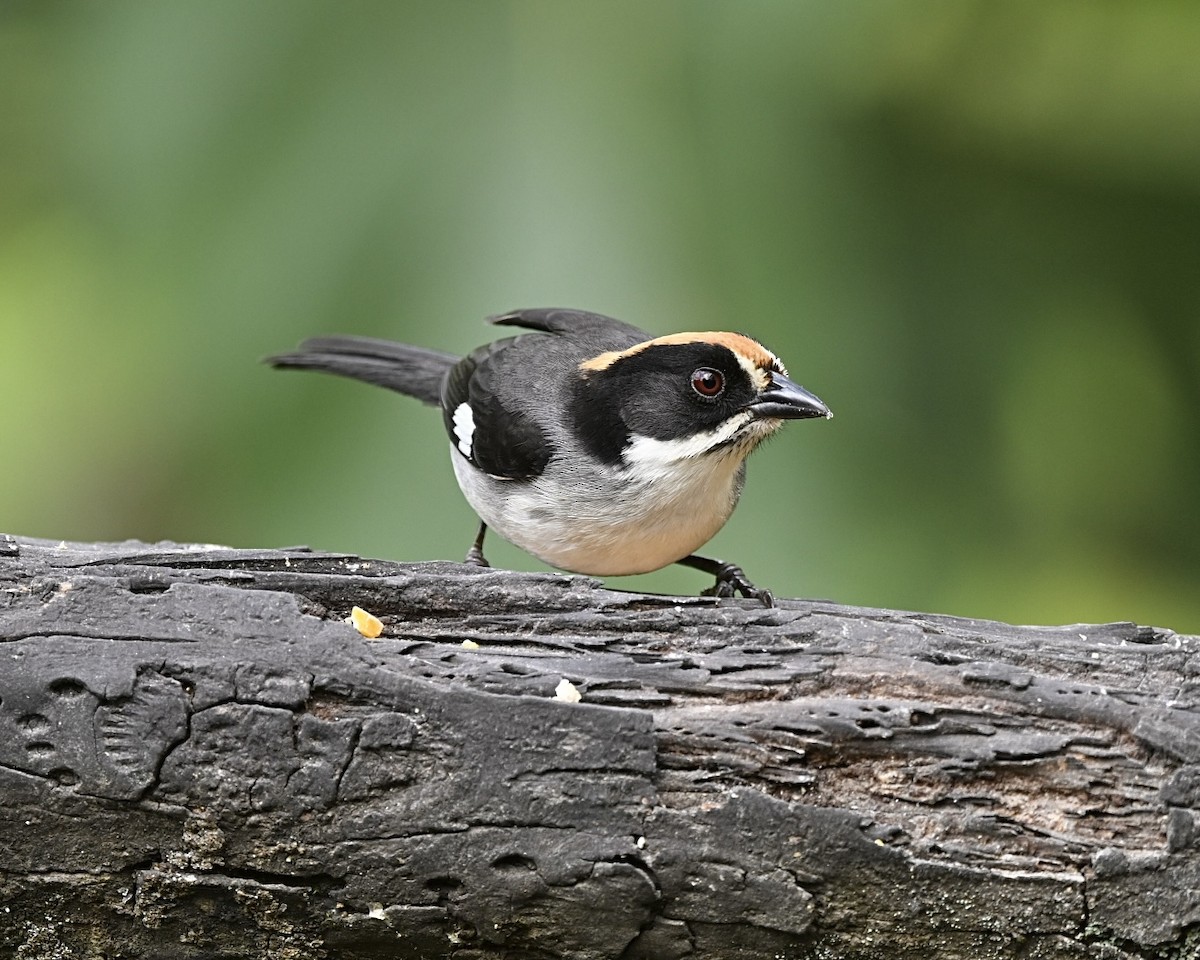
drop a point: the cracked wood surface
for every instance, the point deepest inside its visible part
(199, 758)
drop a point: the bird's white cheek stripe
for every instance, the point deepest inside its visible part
(647, 451)
(464, 427)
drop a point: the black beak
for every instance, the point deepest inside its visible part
(786, 400)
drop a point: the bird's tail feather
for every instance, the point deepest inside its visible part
(414, 371)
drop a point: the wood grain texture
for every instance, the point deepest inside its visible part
(200, 758)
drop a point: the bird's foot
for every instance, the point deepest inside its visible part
(475, 558)
(732, 579)
(475, 555)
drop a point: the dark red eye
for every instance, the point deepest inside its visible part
(708, 382)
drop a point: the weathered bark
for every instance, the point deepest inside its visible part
(199, 758)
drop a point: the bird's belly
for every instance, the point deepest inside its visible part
(607, 525)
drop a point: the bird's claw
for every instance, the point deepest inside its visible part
(475, 558)
(731, 579)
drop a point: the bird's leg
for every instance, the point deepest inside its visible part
(475, 554)
(730, 579)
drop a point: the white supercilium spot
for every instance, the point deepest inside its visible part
(464, 427)
(758, 376)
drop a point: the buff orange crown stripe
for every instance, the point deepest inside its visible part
(752, 350)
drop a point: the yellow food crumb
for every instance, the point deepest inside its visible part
(470, 645)
(369, 625)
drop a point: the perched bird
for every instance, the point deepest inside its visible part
(589, 443)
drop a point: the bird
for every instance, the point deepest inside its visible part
(588, 442)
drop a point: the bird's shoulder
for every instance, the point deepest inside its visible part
(503, 404)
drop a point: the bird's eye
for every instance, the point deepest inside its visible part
(708, 382)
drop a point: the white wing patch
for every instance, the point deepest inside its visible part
(464, 427)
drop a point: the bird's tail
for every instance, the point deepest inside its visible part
(414, 371)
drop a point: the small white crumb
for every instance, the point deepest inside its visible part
(376, 912)
(641, 843)
(567, 692)
(369, 625)
(470, 645)
(1083, 636)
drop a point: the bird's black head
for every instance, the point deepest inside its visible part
(685, 395)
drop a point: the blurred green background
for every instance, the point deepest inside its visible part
(973, 228)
